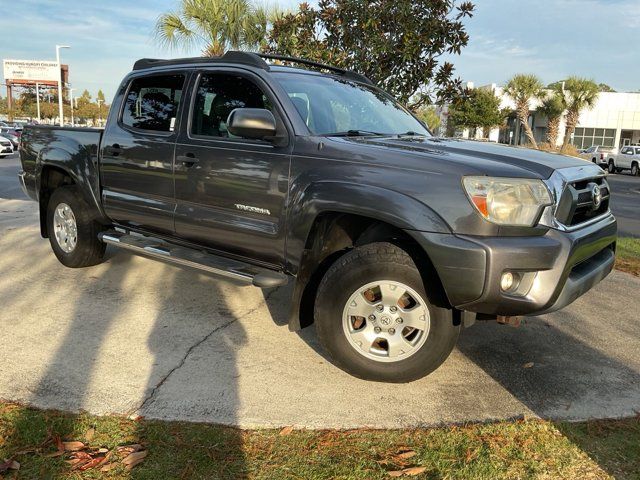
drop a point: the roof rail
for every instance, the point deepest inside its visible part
(232, 56)
(340, 71)
(247, 58)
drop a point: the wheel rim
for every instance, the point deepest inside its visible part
(386, 321)
(65, 228)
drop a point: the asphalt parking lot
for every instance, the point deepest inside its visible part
(134, 336)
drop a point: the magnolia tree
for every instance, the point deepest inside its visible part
(399, 44)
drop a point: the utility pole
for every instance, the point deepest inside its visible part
(61, 111)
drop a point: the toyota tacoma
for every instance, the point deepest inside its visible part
(270, 173)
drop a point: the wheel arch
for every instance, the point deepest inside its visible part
(335, 232)
(56, 167)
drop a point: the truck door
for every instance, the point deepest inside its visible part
(231, 192)
(137, 152)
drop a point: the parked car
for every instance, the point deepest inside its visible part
(11, 130)
(627, 159)
(270, 174)
(5, 147)
(597, 154)
(15, 141)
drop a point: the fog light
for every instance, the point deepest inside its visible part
(509, 281)
(506, 282)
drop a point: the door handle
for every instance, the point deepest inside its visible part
(114, 149)
(188, 160)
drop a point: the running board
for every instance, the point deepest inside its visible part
(215, 264)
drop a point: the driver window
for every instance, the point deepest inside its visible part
(217, 95)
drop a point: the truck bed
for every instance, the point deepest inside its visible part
(64, 144)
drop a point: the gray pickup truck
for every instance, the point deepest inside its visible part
(268, 174)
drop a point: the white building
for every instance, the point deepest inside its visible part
(614, 121)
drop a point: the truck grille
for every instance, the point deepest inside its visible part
(579, 203)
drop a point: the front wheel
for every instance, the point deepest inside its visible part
(634, 169)
(612, 167)
(373, 316)
(73, 234)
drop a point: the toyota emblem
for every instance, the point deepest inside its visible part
(596, 196)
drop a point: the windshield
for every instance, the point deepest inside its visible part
(330, 105)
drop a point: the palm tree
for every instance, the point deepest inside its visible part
(553, 107)
(579, 94)
(217, 25)
(523, 89)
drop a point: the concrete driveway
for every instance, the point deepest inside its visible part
(134, 336)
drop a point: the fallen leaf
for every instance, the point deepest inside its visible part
(14, 465)
(286, 431)
(135, 457)
(396, 473)
(72, 446)
(127, 449)
(414, 471)
(407, 454)
(88, 435)
(527, 365)
(9, 465)
(91, 463)
(108, 466)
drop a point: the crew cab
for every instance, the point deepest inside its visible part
(627, 159)
(394, 240)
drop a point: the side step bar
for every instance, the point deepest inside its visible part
(218, 265)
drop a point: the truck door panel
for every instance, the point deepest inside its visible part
(137, 154)
(230, 192)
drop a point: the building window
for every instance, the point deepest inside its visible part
(588, 137)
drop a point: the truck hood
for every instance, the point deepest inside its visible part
(485, 158)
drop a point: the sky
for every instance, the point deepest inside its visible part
(598, 39)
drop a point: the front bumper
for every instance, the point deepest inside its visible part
(567, 264)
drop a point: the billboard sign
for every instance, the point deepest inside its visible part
(31, 71)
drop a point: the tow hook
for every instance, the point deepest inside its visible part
(509, 320)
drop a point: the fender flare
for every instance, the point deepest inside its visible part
(80, 167)
(391, 207)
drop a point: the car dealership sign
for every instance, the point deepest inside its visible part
(31, 71)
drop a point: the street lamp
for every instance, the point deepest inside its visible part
(100, 111)
(61, 112)
(71, 103)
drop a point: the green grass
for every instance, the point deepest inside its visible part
(628, 255)
(521, 449)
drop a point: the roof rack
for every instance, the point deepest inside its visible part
(340, 71)
(248, 58)
(245, 58)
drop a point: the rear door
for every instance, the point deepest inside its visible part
(138, 149)
(231, 192)
(624, 158)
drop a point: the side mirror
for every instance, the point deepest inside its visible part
(256, 123)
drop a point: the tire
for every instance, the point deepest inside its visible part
(611, 167)
(87, 250)
(634, 169)
(382, 264)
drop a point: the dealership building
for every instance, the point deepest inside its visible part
(614, 121)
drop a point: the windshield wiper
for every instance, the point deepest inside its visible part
(353, 133)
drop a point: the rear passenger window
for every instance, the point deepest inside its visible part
(217, 95)
(152, 102)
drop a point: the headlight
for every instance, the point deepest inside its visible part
(508, 201)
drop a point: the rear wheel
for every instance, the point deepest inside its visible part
(373, 316)
(612, 167)
(73, 234)
(634, 169)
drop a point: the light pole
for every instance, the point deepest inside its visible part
(71, 103)
(61, 112)
(100, 111)
(38, 99)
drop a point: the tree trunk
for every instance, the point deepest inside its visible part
(486, 131)
(572, 121)
(553, 130)
(523, 115)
